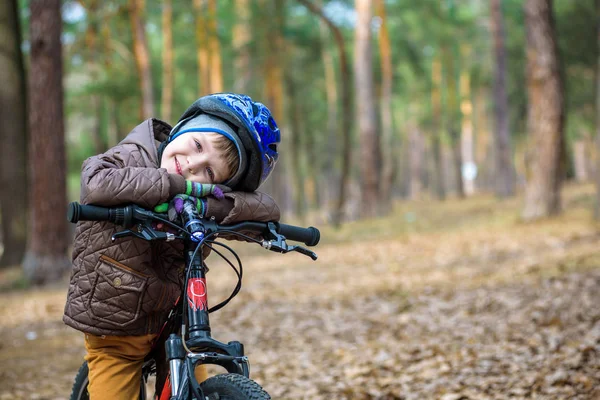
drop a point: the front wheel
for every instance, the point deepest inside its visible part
(233, 387)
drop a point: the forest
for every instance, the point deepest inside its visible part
(448, 150)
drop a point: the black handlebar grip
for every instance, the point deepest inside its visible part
(78, 212)
(309, 236)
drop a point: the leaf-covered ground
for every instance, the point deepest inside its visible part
(439, 301)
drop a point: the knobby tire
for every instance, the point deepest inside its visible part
(233, 387)
(219, 387)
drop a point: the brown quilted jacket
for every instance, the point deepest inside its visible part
(127, 287)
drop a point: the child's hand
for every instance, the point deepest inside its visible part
(175, 206)
(196, 192)
(196, 189)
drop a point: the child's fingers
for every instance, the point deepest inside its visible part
(224, 189)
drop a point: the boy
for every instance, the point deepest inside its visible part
(120, 292)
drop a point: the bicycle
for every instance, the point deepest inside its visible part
(185, 340)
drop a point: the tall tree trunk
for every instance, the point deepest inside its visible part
(216, 70)
(365, 110)
(202, 47)
(436, 145)
(330, 174)
(92, 52)
(467, 140)
(505, 176)
(484, 155)
(545, 113)
(274, 90)
(579, 159)
(13, 137)
(453, 119)
(45, 259)
(275, 58)
(416, 145)
(597, 172)
(296, 148)
(347, 114)
(142, 57)
(113, 129)
(241, 47)
(167, 61)
(387, 153)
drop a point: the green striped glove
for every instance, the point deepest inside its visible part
(196, 192)
(196, 189)
(175, 206)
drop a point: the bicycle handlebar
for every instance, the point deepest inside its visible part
(126, 216)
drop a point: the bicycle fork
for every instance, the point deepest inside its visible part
(230, 355)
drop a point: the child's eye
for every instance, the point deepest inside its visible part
(198, 145)
(211, 174)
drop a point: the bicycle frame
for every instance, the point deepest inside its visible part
(185, 338)
(203, 349)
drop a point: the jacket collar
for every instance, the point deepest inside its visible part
(149, 135)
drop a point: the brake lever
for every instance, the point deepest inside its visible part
(305, 251)
(278, 244)
(146, 233)
(281, 246)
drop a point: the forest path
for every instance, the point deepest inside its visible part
(439, 301)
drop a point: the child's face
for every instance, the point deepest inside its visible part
(194, 156)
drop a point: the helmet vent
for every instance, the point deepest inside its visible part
(272, 123)
(273, 146)
(254, 110)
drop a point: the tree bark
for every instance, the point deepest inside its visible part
(597, 172)
(466, 138)
(545, 113)
(436, 145)
(347, 116)
(91, 52)
(387, 153)
(580, 160)
(453, 119)
(167, 61)
(365, 110)
(484, 154)
(241, 46)
(416, 145)
(505, 175)
(333, 146)
(273, 67)
(202, 48)
(300, 200)
(13, 137)
(216, 69)
(142, 57)
(45, 259)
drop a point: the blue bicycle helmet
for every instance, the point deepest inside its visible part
(255, 134)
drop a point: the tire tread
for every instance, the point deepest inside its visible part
(243, 386)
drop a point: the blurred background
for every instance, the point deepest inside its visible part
(448, 150)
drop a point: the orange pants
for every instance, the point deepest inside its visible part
(115, 364)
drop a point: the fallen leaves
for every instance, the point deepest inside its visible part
(489, 310)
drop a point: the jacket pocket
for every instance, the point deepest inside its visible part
(117, 292)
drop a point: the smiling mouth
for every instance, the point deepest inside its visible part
(178, 167)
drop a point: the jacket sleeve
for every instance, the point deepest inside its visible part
(115, 177)
(251, 206)
(243, 206)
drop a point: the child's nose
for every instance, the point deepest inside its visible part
(195, 162)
